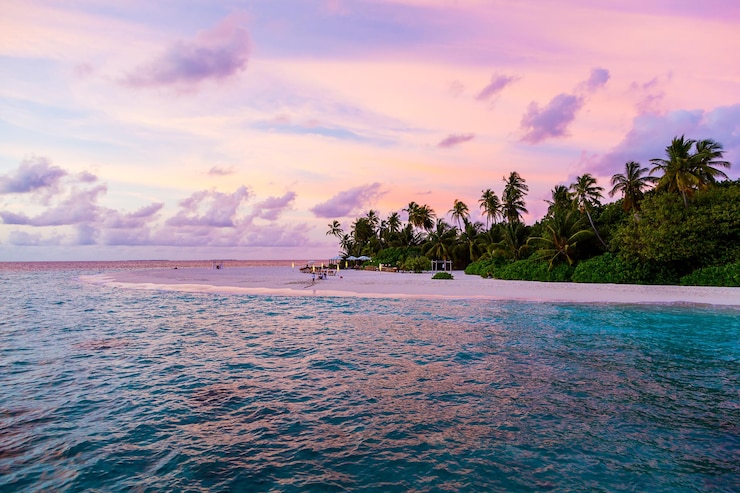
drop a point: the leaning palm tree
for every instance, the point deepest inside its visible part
(459, 212)
(632, 185)
(513, 205)
(491, 206)
(679, 170)
(587, 194)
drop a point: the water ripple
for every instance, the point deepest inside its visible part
(115, 390)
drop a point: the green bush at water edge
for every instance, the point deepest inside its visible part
(443, 275)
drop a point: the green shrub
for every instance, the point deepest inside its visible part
(484, 268)
(723, 275)
(443, 275)
(606, 268)
(534, 270)
(610, 268)
(417, 264)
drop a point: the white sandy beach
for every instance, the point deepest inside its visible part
(286, 281)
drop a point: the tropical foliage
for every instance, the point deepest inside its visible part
(678, 222)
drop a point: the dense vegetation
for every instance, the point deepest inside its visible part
(677, 223)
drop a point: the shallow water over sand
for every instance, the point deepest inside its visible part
(114, 390)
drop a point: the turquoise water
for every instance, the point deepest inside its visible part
(120, 390)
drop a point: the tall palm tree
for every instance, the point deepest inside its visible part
(587, 194)
(679, 170)
(632, 185)
(560, 236)
(335, 229)
(459, 212)
(491, 206)
(513, 205)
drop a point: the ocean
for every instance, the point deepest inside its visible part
(109, 390)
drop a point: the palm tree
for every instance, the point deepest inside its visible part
(514, 242)
(470, 240)
(373, 218)
(586, 194)
(440, 240)
(632, 185)
(561, 199)
(363, 231)
(408, 237)
(347, 243)
(421, 216)
(513, 205)
(708, 155)
(491, 206)
(335, 229)
(562, 232)
(679, 170)
(394, 222)
(459, 212)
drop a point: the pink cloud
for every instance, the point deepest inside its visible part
(348, 202)
(137, 219)
(498, 83)
(455, 139)
(271, 208)
(216, 53)
(78, 207)
(209, 208)
(33, 174)
(552, 120)
(219, 171)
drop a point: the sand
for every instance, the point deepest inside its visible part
(286, 281)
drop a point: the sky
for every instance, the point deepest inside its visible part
(204, 129)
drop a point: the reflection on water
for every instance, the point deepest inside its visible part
(108, 389)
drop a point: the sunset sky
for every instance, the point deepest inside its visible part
(197, 129)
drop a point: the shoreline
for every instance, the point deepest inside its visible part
(287, 281)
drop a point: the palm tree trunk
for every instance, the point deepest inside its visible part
(593, 226)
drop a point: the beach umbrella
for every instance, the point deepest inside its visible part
(363, 258)
(351, 257)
